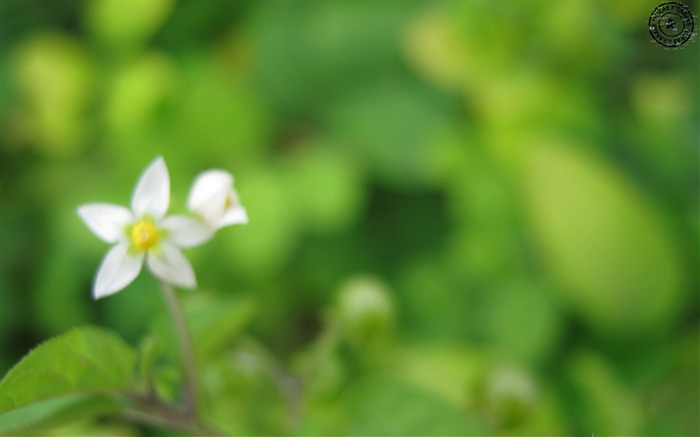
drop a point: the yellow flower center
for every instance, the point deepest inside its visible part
(144, 235)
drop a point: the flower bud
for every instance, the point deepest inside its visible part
(214, 199)
(506, 396)
(366, 311)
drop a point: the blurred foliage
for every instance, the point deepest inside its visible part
(79, 361)
(465, 217)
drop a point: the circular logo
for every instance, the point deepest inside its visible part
(671, 24)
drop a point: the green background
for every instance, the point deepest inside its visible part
(465, 217)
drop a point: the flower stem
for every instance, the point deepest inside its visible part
(186, 350)
(152, 411)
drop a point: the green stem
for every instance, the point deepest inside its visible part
(149, 410)
(191, 395)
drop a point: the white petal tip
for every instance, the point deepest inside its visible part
(234, 216)
(152, 193)
(118, 269)
(99, 294)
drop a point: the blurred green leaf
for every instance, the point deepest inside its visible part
(434, 304)
(330, 187)
(522, 321)
(219, 324)
(61, 285)
(264, 245)
(124, 24)
(565, 29)
(659, 376)
(247, 392)
(321, 368)
(393, 123)
(389, 405)
(662, 127)
(605, 405)
(217, 112)
(149, 348)
(310, 54)
(447, 369)
(214, 323)
(56, 78)
(476, 22)
(608, 247)
(138, 88)
(433, 46)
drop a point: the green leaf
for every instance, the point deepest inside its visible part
(126, 23)
(448, 370)
(217, 325)
(138, 89)
(607, 246)
(149, 348)
(57, 91)
(389, 405)
(213, 323)
(603, 400)
(329, 186)
(52, 412)
(521, 302)
(263, 246)
(398, 147)
(84, 360)
(245, 392)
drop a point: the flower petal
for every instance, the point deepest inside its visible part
(185, 231)
(213, 198)
(209, 186)
(105, 220)
(235, 215)
(170, 265)
(152, 193)
(117, 270)
(208, 195)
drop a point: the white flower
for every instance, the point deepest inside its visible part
(214, 199)
(143, 233)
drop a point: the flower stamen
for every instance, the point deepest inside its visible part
(144, 234)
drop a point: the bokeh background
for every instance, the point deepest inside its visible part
(465, 217)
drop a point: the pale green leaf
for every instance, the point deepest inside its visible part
(125, 23)
(608, 248)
